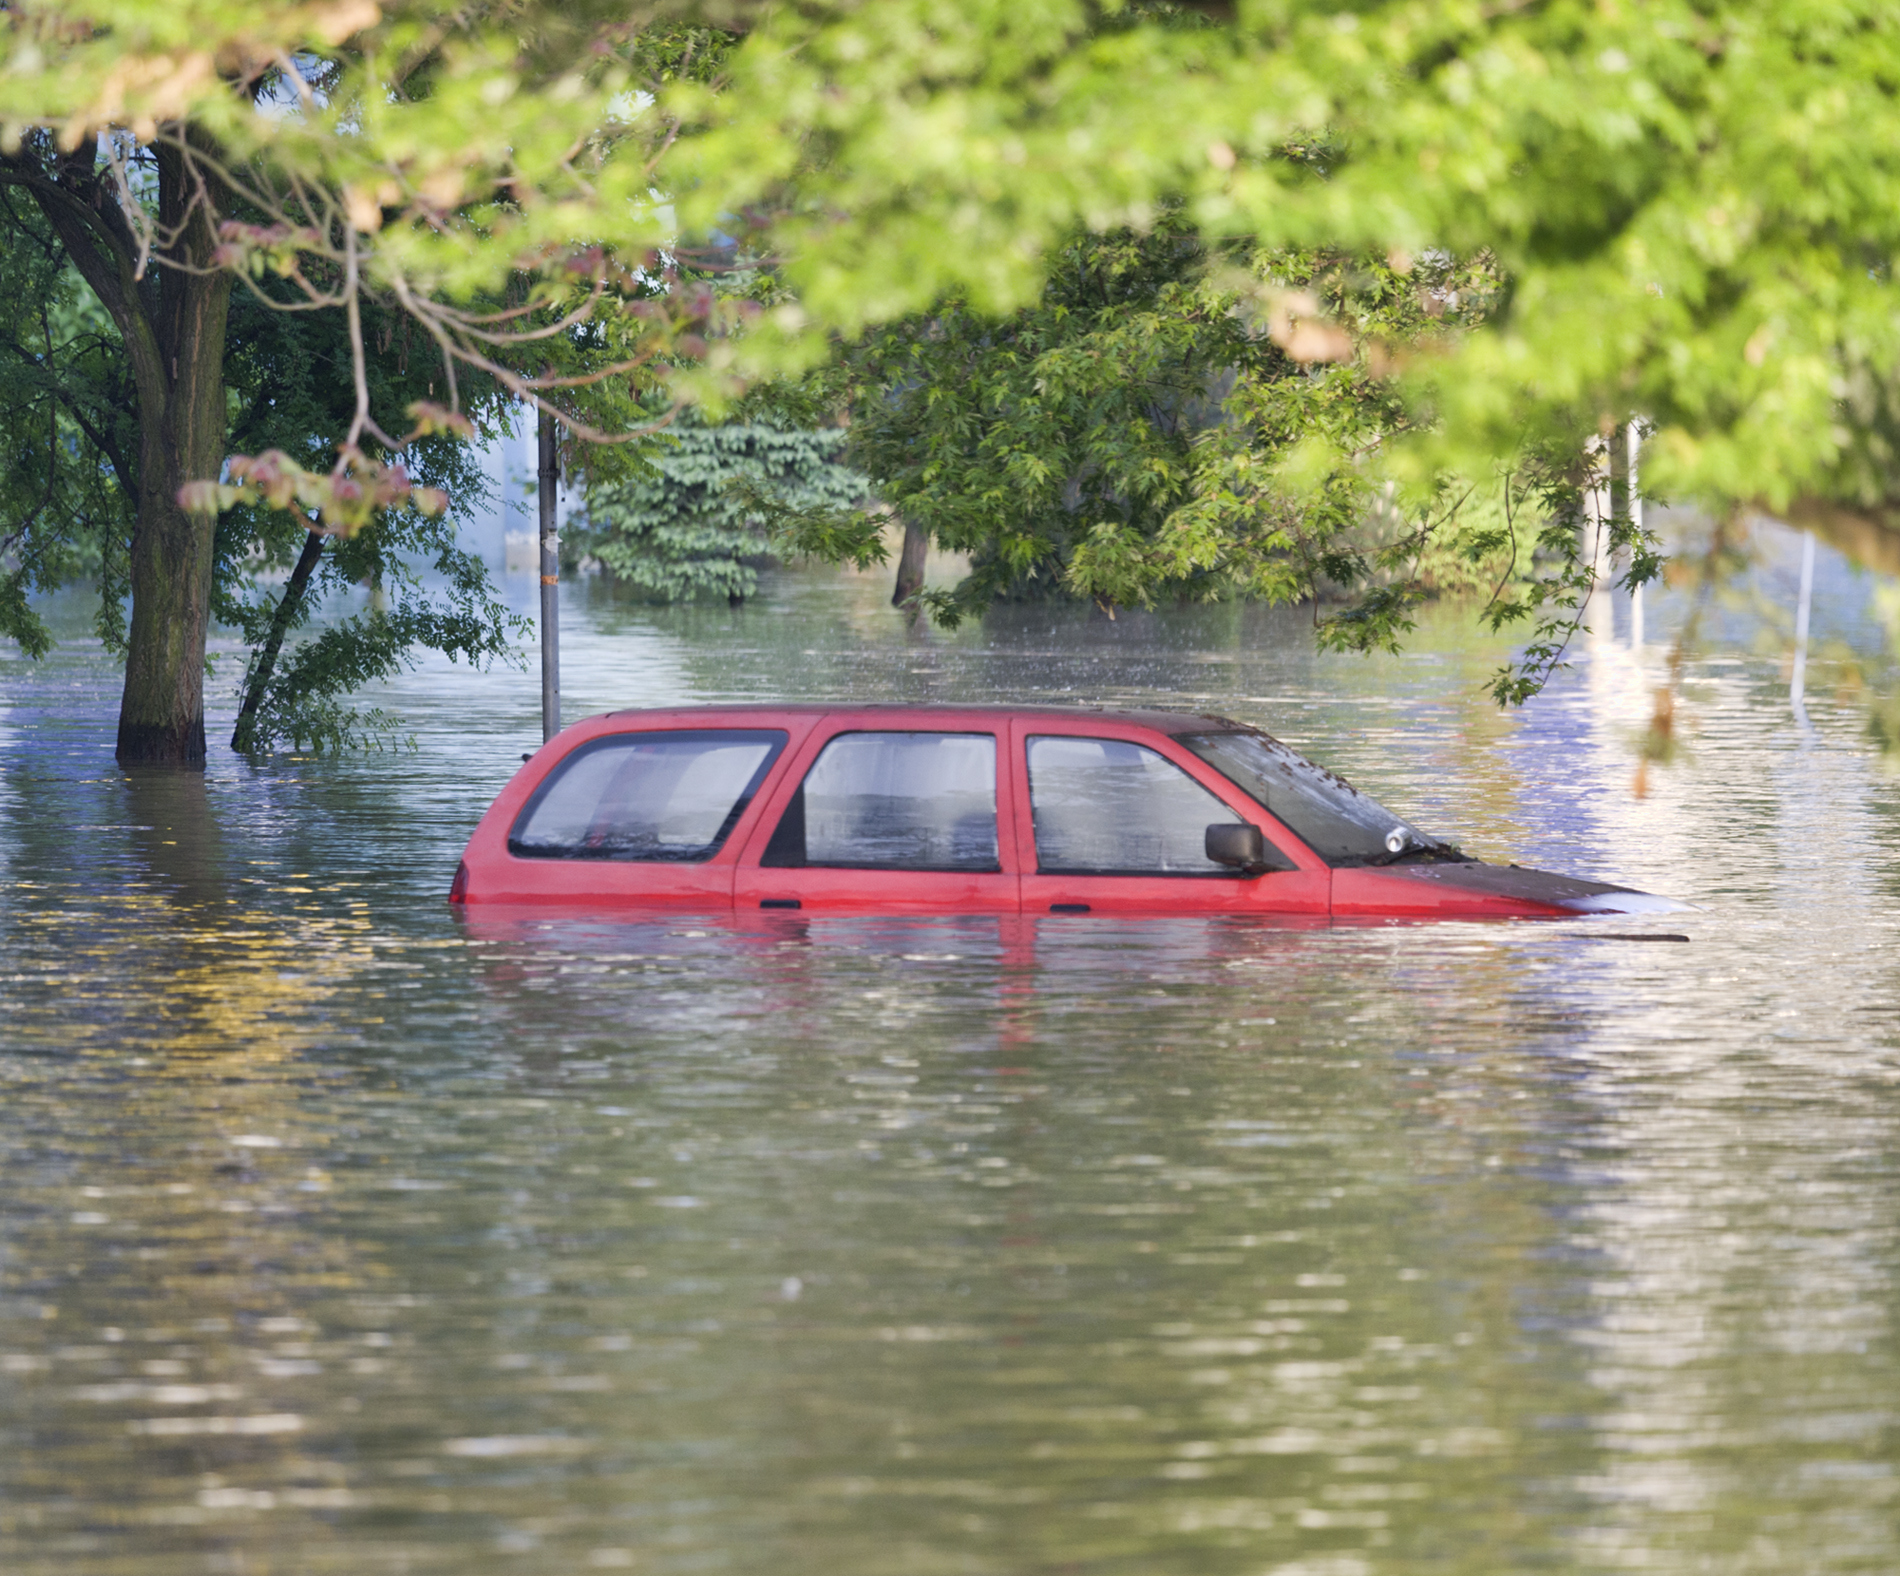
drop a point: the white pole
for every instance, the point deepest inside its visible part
(547, 483)
(1798, 685)
(1599, 460)
(1634, 433)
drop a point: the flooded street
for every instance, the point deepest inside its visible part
(344, 1232)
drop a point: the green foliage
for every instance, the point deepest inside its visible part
(1054, 445)
(699, 518)
(68, 449)
(1294, 492)
(289, 376)
(69, 445)
(1695, 204)
(1683, 212)
(1482, 555)
(304, 703)
(1170, 419)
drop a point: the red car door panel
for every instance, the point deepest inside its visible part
(1123, 813)
(871, 819)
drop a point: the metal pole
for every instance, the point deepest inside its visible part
(1622, 485)
(1599, 458)
(547, 485)
(1798, 684)
(1634, 438)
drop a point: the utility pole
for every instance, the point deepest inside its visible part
(1626, 503)
(1635, 451)
(1599, 477)
(547, 485)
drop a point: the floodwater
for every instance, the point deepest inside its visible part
(342, 1232)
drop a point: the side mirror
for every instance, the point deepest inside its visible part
(1242, 847)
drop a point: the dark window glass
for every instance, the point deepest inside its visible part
(1105, 807)
(1333, 818)
(894, 801)
(646, 796)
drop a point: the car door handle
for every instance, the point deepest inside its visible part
(780, 902)
(1068, 908)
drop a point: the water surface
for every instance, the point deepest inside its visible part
(345, 1233)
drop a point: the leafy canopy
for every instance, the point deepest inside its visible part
(1693, 205)
(1171, 418)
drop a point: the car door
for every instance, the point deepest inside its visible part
(1113, 819)
(886, 819)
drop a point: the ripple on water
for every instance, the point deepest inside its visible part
(344, 1233)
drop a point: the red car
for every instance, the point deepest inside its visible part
(956, 810)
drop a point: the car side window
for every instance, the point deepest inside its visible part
(672, 797)
(1107, 807)
(894, 801)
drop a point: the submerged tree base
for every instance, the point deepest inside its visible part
(146, 745)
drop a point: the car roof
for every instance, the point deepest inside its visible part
(1171, 722)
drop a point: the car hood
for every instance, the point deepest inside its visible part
(1512, 883)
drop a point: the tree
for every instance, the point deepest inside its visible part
(1038, 441)
(693, 523)
(1692, 207)
(162, 208)
(170, 321)
(1170, 418)
(69, 477)
(69, 434)
(289, 375)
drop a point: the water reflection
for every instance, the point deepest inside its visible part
(348, 1233)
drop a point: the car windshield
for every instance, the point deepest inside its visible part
(1333, 818)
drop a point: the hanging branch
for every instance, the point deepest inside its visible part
(320, 234)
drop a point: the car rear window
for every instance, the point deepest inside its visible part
(669, 796)
(894, 801)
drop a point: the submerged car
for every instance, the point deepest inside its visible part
(948, 810)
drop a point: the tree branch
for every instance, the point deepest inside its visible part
(288, 607)
(82, 228)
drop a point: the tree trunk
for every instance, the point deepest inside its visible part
(173, 322)
(162, 713)
(910, 564)
(288, 606)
